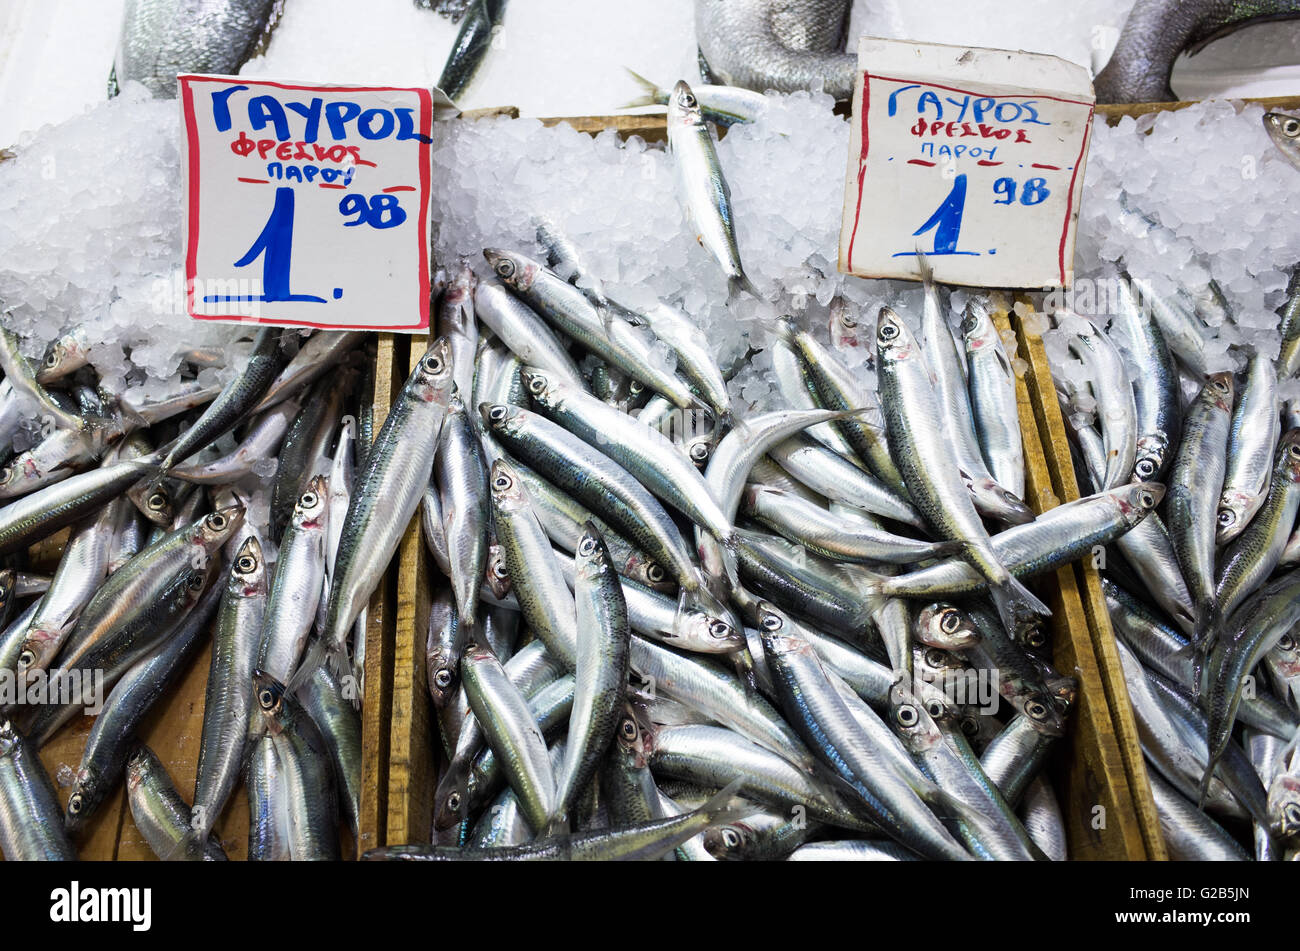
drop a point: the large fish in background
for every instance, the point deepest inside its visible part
(1158, 31)
(784, 45)
(161, 38)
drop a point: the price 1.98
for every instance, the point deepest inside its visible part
(946, 219)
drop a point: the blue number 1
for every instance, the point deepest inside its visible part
(275, 246)
(946, 220)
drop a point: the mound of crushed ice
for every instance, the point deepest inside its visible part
(90, 235)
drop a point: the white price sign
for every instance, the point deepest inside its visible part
(973, 156)
(307, 205)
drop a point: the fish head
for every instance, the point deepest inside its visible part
(248, 570)
(1137, 500)
(704, 633)
(946, 627)
(87, 793)
(649, 573)
(213, 530)
(508, 491)
(1150, 459)
(778, 635)
(443, 677)
(843, 325)
(501, 417)
(1284, 130)
(268, 694)
(515, 271)
(61, 358)
(1288, 456)
(911, 719)
(1284, 805)
(9, 737)
(39, 648)
(1002, 503)
(432, 379)
(699, 449)
(894, 341)
(977, 326)
(451, 801)
(154, 500)
(497, 574)
(1042, 710)
(312, 508)
(12, 475)
(1219, 389)
(138, 766)
(737, 839)
(633, 734)
(591, 556)
(683, 108)
(1284, 658)
(7, 579)
(542, 387)
(1231, 519)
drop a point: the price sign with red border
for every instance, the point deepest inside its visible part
(973, 156)
(307, 205)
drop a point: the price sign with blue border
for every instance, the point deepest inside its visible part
(973, 156)
(307, 205)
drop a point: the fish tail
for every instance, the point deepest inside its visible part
(726, 805)
(1010, 597)
(193, 838)
(556, 826)
(870, 584)
(1206, 778)
(652, 95)
(923, 265)
(741, 284)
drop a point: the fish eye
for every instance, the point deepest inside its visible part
(195, 583)
(505, 267)
(1292, 813)
(1146, 499)
(1291, 127)
(627, 729)
(308, 500)
(1293, 450)
(730, 838)
(52, 359)
(1036, 638)
(1227, 517)
(719, 629)
(935, 708)
(934, 658)
(906, 716)
(700, 451)
(1145, 468)
(587, 547)
(1036, 710)
(848, 320)
(770, 621)
(266, 697)
(654, 573)
(502, 482)
(216, 521)
(500, 571)
(497, 413)
(157, 501)
(951, 621)
(4, 593)
(968, 325)
(246, 563)
(442, 678)
(1220, 386)
(635, 387)
(6, 474)
(27, 657)
(969, 726)
(453, 802)
(434, 363)
(888, 331)
(536, 385)
(1285, 642)
(74, 804)
(688, 100)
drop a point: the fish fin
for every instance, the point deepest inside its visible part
(742, 284)
(650, 95)
(1206, 778)
(726, 805)
(869, 583)
(191, 838)
(923, 265)
(317, 653)
(1011, 594)
(556, 826)
(948, 549)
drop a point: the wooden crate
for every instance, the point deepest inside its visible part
(174, 726)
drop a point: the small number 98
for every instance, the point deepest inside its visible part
(381, 211)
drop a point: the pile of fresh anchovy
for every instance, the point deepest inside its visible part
(666, 630)
(1204, 596)
(176, 500)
